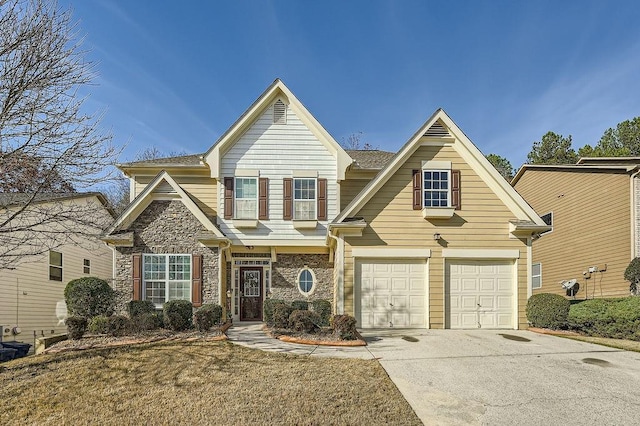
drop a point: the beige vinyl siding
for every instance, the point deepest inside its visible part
(592, 227)
(482, 223)
(201, 187)
(353, 184)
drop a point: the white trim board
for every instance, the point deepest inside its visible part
(481, 253)
(386, 252)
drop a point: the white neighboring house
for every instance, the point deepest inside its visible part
(32, 286)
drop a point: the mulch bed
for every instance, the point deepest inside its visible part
(323, 337)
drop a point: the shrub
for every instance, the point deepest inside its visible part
(89, 297)
(76, 327)
(267, 309)
(207, 316)
(344, 327)
(139, 307)
(614, 318)
(323, 309)
(300, 305)
(303, 320)
(632, 274)
(146, 321)
(548, 310)
(98, 325)
(119, 325)
(177, 314)
(281, 314)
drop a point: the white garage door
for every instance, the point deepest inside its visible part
(479, 294)
(391, 293)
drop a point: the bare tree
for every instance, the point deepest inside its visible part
(42, 123)
(354, 142)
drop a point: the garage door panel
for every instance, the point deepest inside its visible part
(392, 291)
(504, 285)
(469, 284)
(487, 285)
(468, 302)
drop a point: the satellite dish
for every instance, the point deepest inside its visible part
(569, 284)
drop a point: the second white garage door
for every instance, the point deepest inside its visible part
(391, 293)
(479, 294)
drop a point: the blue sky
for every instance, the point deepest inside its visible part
(176, 75)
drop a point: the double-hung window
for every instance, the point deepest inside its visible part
(55, 266)
(304, 199)
(436, 188)
(536, 275)
(167, 277)
(246, 198)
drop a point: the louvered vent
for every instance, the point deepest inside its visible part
(164, 188)
(279, 112)
(437, 130)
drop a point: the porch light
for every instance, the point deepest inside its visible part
(436, 236)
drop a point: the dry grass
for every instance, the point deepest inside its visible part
(197, 383)
(627, 345)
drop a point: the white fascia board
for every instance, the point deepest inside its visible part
(279, 243)
(481, 253)
(386, 252)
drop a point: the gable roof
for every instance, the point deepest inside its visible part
(8, 199)
(142, 201)
(180, 160)
(372, 159)
(275, 90)
(579, 168)
(440, 127)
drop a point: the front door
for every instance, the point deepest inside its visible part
(250, 294)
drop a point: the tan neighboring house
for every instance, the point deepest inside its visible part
(593, 208)
(31, 289)
(429, 237)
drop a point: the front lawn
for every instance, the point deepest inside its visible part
(197, 383)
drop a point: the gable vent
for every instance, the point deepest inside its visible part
(437, 130)
(164, 188)
(279, 112)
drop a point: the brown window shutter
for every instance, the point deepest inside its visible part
(417, 189)
(228, 197)
(287, 196)
(263, 199)
(196, 280)
(456, 202)
(322, 199)
(136, 275)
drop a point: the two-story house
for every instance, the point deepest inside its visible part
(277, 208)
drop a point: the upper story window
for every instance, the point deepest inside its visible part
(304, 199)
(55, 265)
(548, 219)
(246, 198)
(436, 189)
(536, 275)
(166, 277)
(279, 112)
(86, 266)
(436, 185)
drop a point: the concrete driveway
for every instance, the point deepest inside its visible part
(509, 377)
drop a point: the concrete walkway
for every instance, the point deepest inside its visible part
(251, 335)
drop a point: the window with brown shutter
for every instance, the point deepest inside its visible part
(417, 189)
(322, 199)
(228, 197)
(263, 199)
(287, 197)
(136, 275)
(196, 280)
(456, 202)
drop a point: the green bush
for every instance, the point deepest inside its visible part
(119, 325)
(548, 311)
(139, 307)
(89, 297)
(323, 309)
(177, 314)
(632, 274)
(303, 320)
(281, 314)
(76, 327)
(207, 316)
(344, 327)
(146, 321)
(300, 305)
(98, 325)
(614, 318)
(268, 308)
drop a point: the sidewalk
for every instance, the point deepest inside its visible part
(252, 336)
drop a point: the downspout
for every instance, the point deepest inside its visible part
(634, 214)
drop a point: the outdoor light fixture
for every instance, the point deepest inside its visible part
(436, 236)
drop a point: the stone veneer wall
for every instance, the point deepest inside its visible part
(166, 227)
(284, 277)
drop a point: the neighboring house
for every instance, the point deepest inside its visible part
(430, 237)
(31, 289)
(593, 208)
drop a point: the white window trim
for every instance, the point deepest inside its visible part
(533, 276)
(235, 199)
(166, 280)
(424, 190)
(313, 278)
(85, 266)
(315, 201)
(551, 230)
(61, 266)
